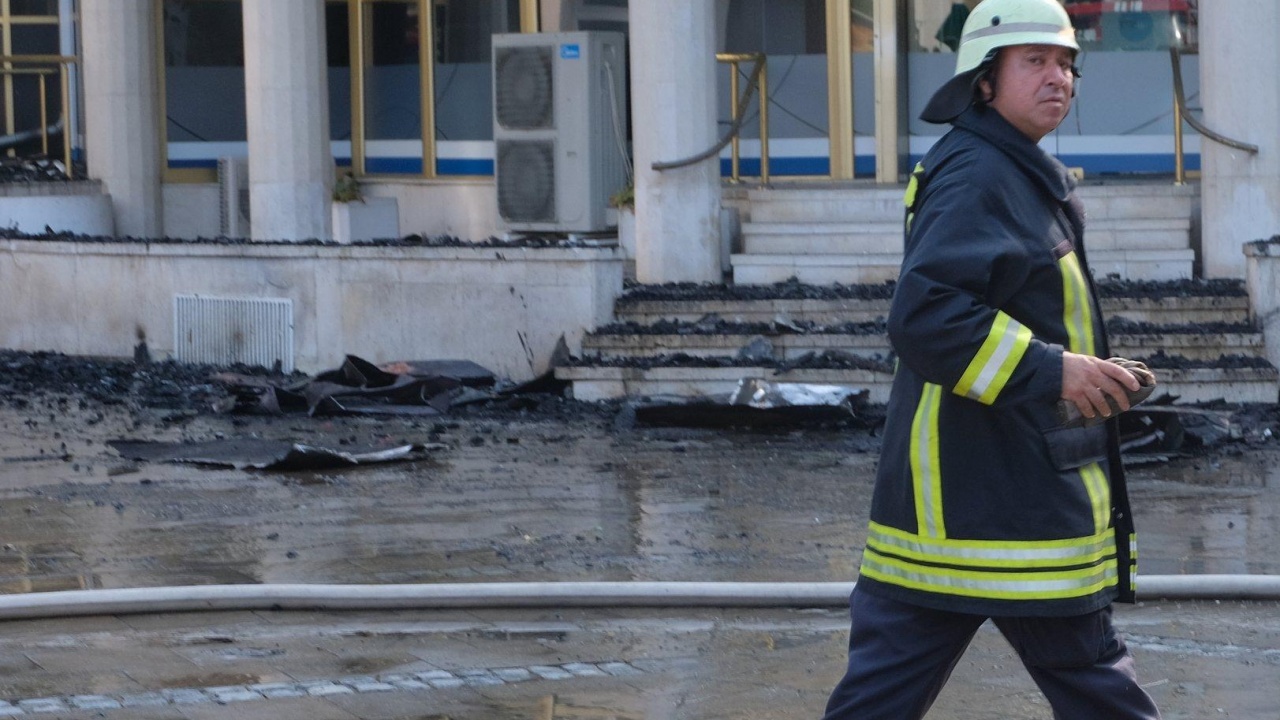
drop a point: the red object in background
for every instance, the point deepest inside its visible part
(1123, 6)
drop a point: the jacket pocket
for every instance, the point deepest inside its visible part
(1070, 448)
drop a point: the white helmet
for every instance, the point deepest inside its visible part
(992, 25)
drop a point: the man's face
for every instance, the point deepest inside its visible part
(1033, 87)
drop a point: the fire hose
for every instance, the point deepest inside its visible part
(197, 598)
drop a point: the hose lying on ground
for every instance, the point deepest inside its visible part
(191, 598)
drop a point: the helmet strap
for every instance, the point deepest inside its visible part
(986, 73)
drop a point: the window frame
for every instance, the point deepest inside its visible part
(359, 46)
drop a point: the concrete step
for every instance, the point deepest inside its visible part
(1106, 238)
(1234, 385)
(1174, 325)
(1134, 249)
(1160, 199)
(1136, 230)
(871, 302)
(1136, 234)
(1203, 346)
(869, 203)
(845, 238)
(859, 202)
(751, 268)
(1196, 343)
(1138, 264)
(815, 269)
(785, 347)
(609, 383)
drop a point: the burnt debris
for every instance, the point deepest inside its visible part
(37, 170)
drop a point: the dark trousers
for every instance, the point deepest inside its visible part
(901, 655)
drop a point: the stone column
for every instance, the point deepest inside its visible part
(673, 101)
(122, 110)
(1240, 93)
(287, 107)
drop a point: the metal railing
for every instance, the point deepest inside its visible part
(63, 65)
(759, 80)
(1177, 49)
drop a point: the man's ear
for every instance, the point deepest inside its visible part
(988, 93)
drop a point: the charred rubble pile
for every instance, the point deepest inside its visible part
(137, 383)
(37, 170)
(408, 241)
(357, 387)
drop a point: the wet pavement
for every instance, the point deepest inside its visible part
(548, 496)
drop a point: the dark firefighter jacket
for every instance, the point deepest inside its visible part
(982, 503)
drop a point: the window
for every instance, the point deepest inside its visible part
(409, 82)
(203, 81)
(30, 28)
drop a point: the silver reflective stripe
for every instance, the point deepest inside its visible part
(1006, 28)
(1081, 554)
(994, 369)
(1012, 583)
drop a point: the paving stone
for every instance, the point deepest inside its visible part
(143, 699)
(406, 682)
(43, 705)
(620, 669)
(320, 688)
(482, 679)
(186, 696)
(94, 702)
(513, 674)
(233, 693)
(550, 672)
(8, 710)
(430, 675)
(368, 684)
(446, 683)
(584, 670)
(275, 690)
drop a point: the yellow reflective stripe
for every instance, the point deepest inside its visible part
(909, 198)
(992, 553)
(995, 585)
(991, 368)
(1095, 483)
(1077, 314)
(913, 185)
(926, 475)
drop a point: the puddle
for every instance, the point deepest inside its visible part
(518, 499)
(1219, 515)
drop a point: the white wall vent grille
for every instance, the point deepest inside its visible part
(225, 331)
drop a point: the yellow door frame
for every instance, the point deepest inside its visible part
(890, 89)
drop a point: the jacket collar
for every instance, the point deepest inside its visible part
(1040, 166)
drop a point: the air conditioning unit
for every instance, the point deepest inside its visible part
(233, 196)
(559, 128)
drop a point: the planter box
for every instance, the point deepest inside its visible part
(79, 208)
(373, 218)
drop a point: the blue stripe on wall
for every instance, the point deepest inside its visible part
(464, 166)
(863, 165)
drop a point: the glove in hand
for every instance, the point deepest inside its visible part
(1069, 415)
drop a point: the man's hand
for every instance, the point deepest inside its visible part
(1087, 382)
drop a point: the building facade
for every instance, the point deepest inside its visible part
(399, 94)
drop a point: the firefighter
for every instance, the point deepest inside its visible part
(987, 505)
